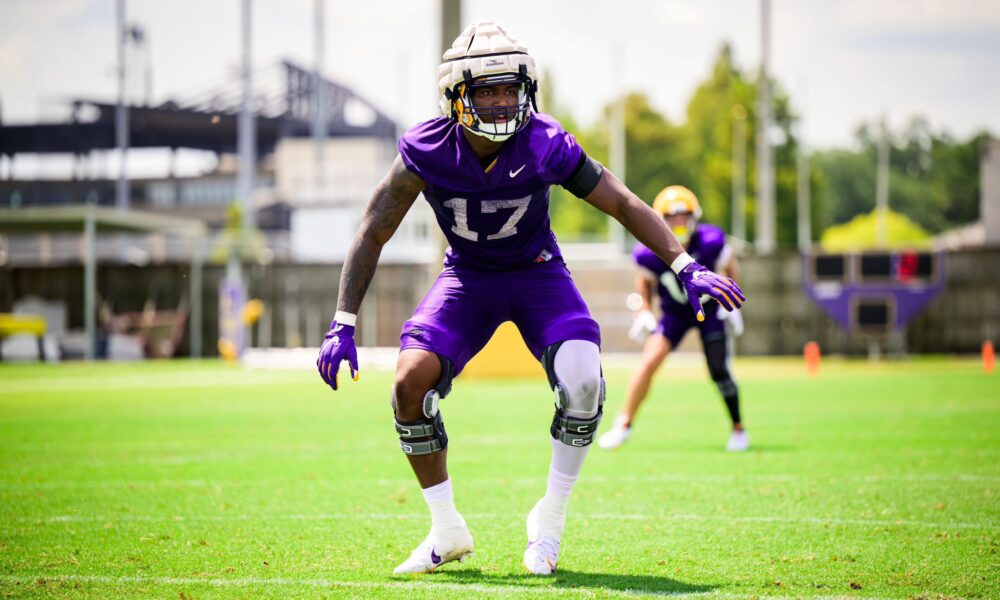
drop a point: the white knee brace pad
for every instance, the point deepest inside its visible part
(577, 367)
(574, 371)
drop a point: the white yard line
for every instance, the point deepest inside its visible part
(319, 517)
(413, 584)
(149, 381)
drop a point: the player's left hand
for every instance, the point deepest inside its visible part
(338, 346)
(698, 280)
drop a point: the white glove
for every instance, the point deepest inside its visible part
(735, 319)
(644, 324)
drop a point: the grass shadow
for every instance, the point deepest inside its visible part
(567, 580)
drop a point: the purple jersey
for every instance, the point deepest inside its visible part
(495, 218)
(708, 246)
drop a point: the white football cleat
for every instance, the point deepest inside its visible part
(542, 554)
(738, 441)
(614, 437)
(438, 548)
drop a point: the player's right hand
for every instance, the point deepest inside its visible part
(338, 346)
(643, 325)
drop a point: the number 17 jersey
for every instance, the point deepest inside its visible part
(495, 218)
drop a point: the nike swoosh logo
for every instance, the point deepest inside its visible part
(513, 174)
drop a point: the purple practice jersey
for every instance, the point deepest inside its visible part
(708, 247)
(494, 218)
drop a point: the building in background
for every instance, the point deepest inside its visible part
(326, 200)
(309, 195)
(985, 231)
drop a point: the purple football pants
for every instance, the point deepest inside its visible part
(464, 307)
(674, 324)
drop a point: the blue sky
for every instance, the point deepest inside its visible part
(842, 61)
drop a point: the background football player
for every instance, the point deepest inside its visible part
(485, 168)
(707, 244)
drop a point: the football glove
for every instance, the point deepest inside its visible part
(643, 325)
(337, 346)
(698, 280)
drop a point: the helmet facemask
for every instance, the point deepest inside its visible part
(677, 200)
(499, 122)
(684, 231)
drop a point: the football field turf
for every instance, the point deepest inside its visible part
(200, 480)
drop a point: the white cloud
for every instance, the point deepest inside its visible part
(918, 15)
(13, 53)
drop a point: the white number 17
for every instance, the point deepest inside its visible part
(461, 208)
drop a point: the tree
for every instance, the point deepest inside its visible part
(572, 218)
(861, 233)
(708, 133)
(933, 179)
(847, 185)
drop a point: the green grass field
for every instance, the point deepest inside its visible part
(188, 480)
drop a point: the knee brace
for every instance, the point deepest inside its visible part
(585, 399)
(427, 435)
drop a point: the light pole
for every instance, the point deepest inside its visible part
(765, 171)
(739, 183)
(246, 135)
(232, 292)
(319, 101)
(121, 113)
(803, 199)
(140, 38)
(803, 193)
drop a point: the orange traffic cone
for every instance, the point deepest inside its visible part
(989, 357)
(811, 354)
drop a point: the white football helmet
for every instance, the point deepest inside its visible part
(486, 55)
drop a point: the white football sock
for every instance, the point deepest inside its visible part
(567, 459)
(577, 365)
(563, 473)
(441, 500)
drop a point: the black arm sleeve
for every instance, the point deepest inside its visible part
(585, 177)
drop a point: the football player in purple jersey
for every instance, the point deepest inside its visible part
(485, 168)
(707, 244)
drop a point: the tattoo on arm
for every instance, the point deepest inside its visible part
(393, 197)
